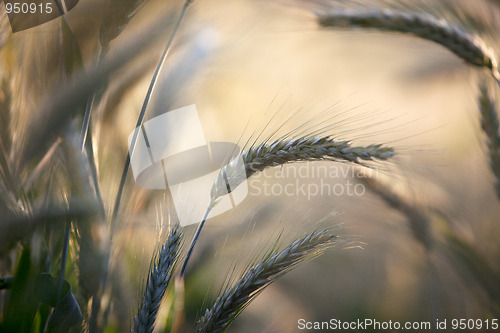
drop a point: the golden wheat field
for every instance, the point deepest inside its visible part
(249, 166)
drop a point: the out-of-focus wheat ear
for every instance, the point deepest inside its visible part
(8, 181)
(117, 14)
(5, 115)
(61, 104)
(489, 124)
(417, 217)
(158, 279)
(495, 2)
(230, 304)
(462, 43)
(5, 29)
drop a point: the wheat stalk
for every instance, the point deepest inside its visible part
(140, 119)
(463, 44)
(489, 124)
(157, 283)
(233, 301)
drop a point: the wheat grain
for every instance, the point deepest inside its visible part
(233, 301)
(157, 283)
(489, 124)
(463, 44)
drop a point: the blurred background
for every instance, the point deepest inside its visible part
(249, 66)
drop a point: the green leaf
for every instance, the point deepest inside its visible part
(28, 294)
(21, 306)
(66, 310)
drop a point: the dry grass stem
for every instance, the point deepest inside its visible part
(233, 301)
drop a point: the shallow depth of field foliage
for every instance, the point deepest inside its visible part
(396, 99)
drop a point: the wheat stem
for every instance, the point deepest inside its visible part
(140, 119)
(463, 44)
(121, 187)
(67, 231)
(157, 283)
(230, 304)
(194, 240)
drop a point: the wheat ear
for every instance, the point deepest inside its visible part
(119, 13)
(489, 124)
(158, 279)
(284, 150)
(233, 301)
(417, 217)
(463, 44)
